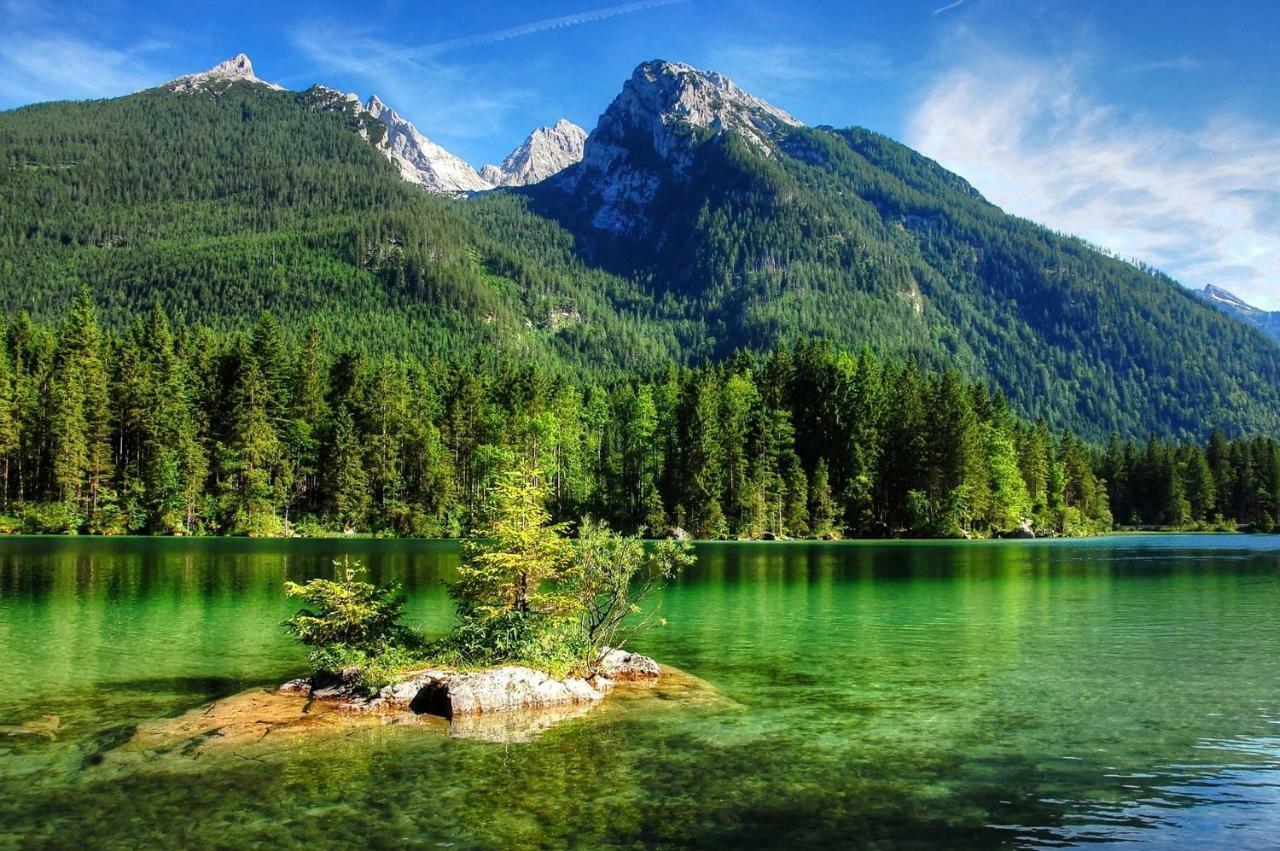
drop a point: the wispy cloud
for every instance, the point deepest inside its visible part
(947, 8)
(61, 67)
(781, 68)
(533, 27)
(1180, 63)
(416, 54)
(1203, 204)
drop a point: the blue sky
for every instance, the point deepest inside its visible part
(1150, 128)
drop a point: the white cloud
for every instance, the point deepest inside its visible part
(63, 67)
(1202, 204)
(790, 67)
(1178, 63)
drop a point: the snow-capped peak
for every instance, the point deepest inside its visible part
(1218, 294)
(546, 151)
(237, 68)
(420, 160)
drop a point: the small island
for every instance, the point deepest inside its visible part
(542, 619)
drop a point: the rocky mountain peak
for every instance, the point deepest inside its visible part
(236, 69)
(650, 134)
(547, 151)
(421, 160)
(1229, 302)
(666, 98)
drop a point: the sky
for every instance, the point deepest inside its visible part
(1149, 128)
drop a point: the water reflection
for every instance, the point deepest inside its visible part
(897, 695)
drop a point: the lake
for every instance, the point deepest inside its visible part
(897, 695)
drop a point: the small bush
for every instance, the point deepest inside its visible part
(349, 623)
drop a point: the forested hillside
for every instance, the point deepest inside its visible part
(215, 209)
(215, 206)
(848, 236)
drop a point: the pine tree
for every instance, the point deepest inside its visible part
(822, 508)
(351, 499)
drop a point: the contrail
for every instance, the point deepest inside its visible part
(426, 51)
(948, 7)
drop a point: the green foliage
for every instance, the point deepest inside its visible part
(221, 208)
(510, 591)
(350, 623)
(612, 574)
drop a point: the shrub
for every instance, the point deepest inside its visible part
(349, 623)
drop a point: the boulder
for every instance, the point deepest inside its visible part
(623, 666)
(679, 534)
(506, 689)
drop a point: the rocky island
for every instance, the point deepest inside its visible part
(507, 688)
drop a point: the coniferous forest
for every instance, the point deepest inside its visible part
(229, 315)
(155, 430)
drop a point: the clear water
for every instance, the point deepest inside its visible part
(916, 695)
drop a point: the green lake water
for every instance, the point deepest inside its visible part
(914, 695)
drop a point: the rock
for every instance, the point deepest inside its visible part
(679, 534)
(1024, 530)
(623, 666)
(218, 78)
(421, 160)
(506, 689)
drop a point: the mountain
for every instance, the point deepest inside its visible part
(218, 208)
(236, 69)
(700, 219)
(1268, 321)
(546, 152)
(422, 161)
(419, 160)
(767, 230)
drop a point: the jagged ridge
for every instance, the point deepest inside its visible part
(546, 152)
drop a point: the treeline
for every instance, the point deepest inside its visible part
(152, 430)
(1223, 484)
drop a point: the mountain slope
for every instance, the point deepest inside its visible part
(772, 231)
(422, 161)
(699, 219)
(217, 208)
(1232, 304)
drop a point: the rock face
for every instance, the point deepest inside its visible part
(648, 135)
(546, 152)
(420, 160)
(220, 77)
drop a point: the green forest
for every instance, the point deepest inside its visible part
(152, 429)
(215, 209)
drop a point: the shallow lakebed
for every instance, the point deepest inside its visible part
(893, 694)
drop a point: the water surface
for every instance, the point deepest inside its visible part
(916, 695)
